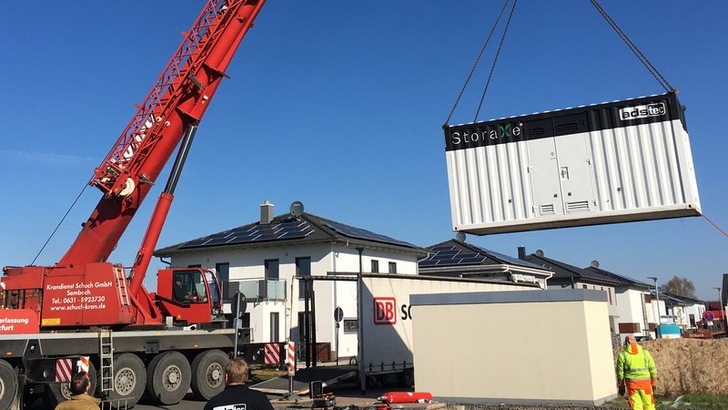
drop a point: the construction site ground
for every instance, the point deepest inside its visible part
(685, 366)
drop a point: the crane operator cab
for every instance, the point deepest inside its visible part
(189, 295)
(188, 287)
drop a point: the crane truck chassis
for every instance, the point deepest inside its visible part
(87, 314)
(161, 364)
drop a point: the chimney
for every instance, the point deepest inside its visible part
(522, 253)
(266, 212)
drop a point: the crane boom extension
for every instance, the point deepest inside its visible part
(178, 99)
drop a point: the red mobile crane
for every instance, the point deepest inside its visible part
(42, 308)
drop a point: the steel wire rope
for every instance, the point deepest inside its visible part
(495, 60)
(635, 50)
(477, 61)
(59, 223)
(714, 225)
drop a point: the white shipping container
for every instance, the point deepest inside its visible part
(622, 161)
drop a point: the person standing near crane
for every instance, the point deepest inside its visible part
(636, 371)
(80, 399)
(236, 394)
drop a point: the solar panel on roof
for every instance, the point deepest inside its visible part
(254, 233)
(438, 257)
(217, 241)
(473, 259)
(449, 252)
(359, 233)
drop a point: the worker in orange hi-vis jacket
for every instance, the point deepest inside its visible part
(636, 371)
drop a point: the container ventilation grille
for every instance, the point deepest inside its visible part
(546, 209)
(579, 206)
(569, 128)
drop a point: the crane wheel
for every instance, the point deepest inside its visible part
(208, 373)
(168, 378)
(8, 385)
(130, 380)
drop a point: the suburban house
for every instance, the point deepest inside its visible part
(635, 310)
(457, 258)
(680, 310)
(570, 276)
(640, 308)
(295, 270)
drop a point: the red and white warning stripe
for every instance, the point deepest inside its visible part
(272, 354)
(291, 358)
(83, 364)
(64, 370)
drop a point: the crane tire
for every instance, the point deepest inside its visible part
(130, 380)
(208, 373)
(168, 378)
(8, 386)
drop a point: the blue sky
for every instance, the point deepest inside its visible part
(339, 104)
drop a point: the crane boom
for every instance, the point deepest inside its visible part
(178, 100)
(85, 297)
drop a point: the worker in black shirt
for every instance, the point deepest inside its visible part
(237, 396)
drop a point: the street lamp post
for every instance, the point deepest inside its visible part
(657, 296)
(360, 316)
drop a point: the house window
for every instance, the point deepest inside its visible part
(351, 325)
(271, 269)
(303, 269)
(274, 327)
(584, 286)
(375, 266)
(392, 267)
(223, 274)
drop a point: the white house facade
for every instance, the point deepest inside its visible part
(271, 260)
(634, 315)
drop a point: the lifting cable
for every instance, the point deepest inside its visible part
(635, 50)
(480, 55)
(651, 68)
(495, 60)
(714, 225)
(59, 224)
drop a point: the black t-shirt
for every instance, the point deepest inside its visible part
(239, 397)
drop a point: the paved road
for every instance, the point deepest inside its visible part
(188, 404)
(346, 394)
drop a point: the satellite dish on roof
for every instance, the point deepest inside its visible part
(297, 208)
(460, 236)
(594, 264)
(539, 253)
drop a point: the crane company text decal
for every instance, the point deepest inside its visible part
(78, 295)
